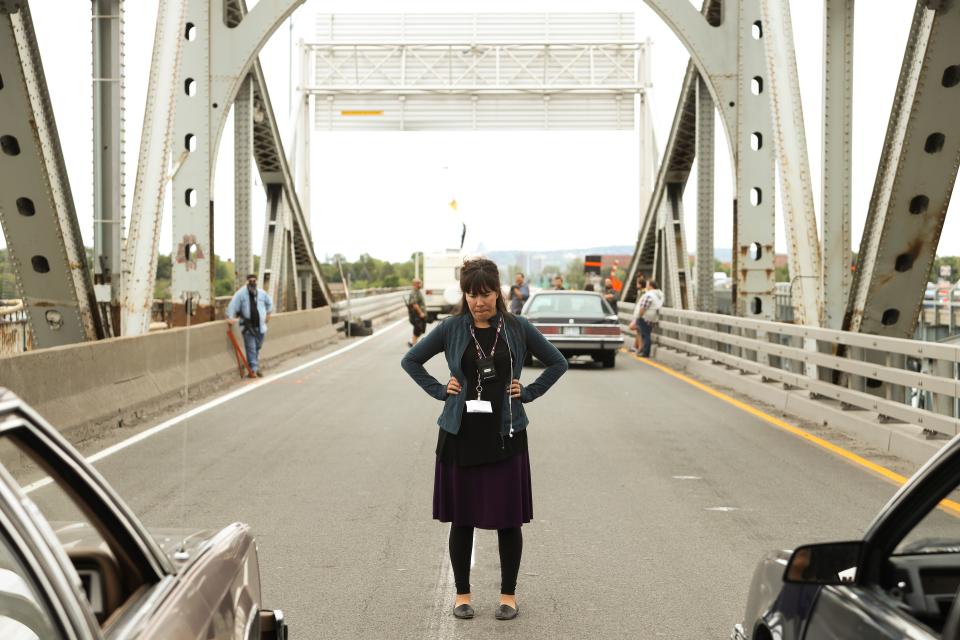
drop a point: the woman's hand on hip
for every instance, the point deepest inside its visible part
(453, 387)
(515, 388)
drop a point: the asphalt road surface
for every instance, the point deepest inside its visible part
(652, 501)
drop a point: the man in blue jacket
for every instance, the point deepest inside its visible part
(252, 307)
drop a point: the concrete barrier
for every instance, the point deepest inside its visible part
(87, 388)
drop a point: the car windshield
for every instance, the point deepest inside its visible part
(569, 304)
(937, 532)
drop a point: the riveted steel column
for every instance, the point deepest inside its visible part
(790, 140)
(304, 131)
(271, 256)
(146, 212)
(705, 144)
(754, 206)
(108, 175)
(915, 179)
(836, 158)
(242, 180)
(192, 196)
(648, 143)
(37, 212)
(678, 267)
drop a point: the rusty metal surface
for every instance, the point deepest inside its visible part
(915, 180)
(796, 189)
(37, 212)
(15, 334)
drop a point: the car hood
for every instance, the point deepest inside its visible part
(183, 545)
(191, 542)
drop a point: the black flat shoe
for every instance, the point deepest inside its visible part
(506, 612)
(464, 612)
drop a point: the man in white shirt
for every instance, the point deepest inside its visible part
(646, 313)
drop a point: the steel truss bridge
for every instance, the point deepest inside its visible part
(742, 66)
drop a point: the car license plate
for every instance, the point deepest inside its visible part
(571, 331)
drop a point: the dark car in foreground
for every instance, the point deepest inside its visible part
(900, 581)
(578, 323)
(75, 563)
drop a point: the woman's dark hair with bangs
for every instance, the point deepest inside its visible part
(477, 276)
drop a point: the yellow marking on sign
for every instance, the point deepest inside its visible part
(361, 112)
(950, 506)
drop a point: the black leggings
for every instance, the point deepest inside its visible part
(511, 548)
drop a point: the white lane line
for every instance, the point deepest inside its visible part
(440, 626)
(172, 422)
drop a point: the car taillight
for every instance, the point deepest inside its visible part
(546, 330)
(603, 330)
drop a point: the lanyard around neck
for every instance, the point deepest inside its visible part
(496, 338)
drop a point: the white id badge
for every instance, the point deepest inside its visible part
(479, 406)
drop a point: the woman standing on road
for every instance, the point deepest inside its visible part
(482, 475)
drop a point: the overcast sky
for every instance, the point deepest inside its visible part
(529, 190)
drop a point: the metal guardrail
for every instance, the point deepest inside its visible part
(918, 379)
(368, 307)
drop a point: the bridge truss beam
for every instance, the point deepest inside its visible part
(790, 143)
(836, 163)
(37, 211)
(915, 179)
(214, 52)
(108, 157)
(727, 52)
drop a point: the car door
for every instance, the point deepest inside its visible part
(842, 612)
(36, 598)
(116, 549)
(909, 570)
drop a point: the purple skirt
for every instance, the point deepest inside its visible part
(498, 495)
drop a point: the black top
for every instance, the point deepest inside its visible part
(479, 440)
(254, 311)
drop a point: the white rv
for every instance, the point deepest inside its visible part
(441, 281)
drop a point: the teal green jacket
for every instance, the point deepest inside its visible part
(452, 337)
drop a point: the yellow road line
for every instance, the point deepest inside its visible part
(948, 505)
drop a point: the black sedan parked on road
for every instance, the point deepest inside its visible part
(578, 323)
(900, 581)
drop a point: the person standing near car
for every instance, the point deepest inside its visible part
(417, 311)
(558, 283)
(646, 314)
(641, 289)
(610, 294)
(482, 472)
(519, 293)
(251, 306)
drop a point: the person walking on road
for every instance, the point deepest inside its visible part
(610, 294)
(637, 339)
(482, 472)
(251, 306)
(646, 314)
(519, 293)
(417, 309)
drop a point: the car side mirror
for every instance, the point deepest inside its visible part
(830, 563)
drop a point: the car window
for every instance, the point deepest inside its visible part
(23, 612)
(938, 532)
(92, 557)
(577, 305)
